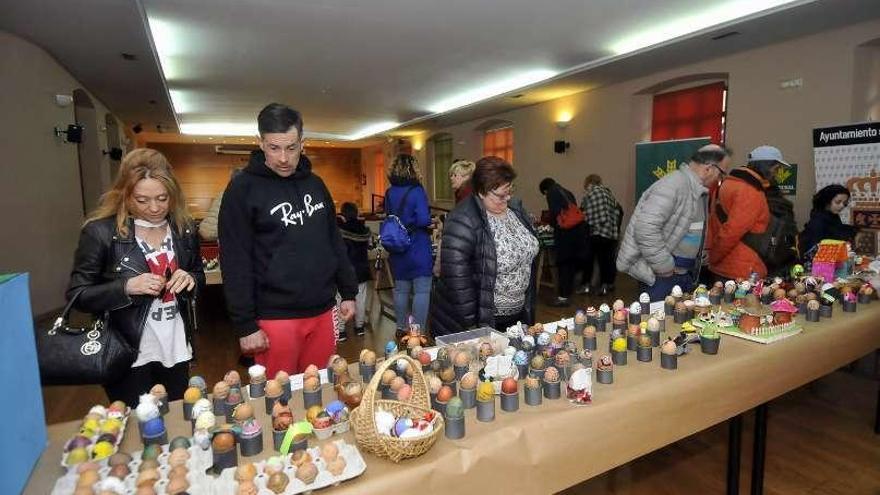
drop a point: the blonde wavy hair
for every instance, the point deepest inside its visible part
(464, 168)
(140, 164)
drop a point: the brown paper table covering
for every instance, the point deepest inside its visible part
(556, 445)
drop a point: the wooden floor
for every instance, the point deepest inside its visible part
(820, 437)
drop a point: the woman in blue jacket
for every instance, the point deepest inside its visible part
(411, 269)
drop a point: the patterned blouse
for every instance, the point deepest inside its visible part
(515, 248)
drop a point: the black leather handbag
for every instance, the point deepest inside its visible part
(82, 356)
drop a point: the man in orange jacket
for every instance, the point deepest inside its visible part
(741, 208)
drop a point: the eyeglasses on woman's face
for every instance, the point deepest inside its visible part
(503, 192)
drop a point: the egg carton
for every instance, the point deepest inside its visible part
(354, 467)
(199, 461)
(474, 336)
(336, 428)
(94, 438)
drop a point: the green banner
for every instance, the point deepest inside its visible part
(656, 159)
(786, 179)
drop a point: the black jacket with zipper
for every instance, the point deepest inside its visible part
(281, 252)
(357, 239)
(464, 295)
(106, 259)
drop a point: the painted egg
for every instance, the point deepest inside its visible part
(444, 394)
(119, 458)
(77, 455)
(532, 382)
(404, 393)
(151, 452)
(313, 412)
(179, 443)
(311, 383)
(544, 338)
(390, 347)
(485, 391)
(455, 408)
(387, 376)
(367, 357)
(562, 358)
(78, 441)
(424, 358)
(520, 358)
(509, 386)
(278, 482)
(120, 471)
(619, 345)
(273, 388)
(469, 380)
(396, 383)
(306, 473)
(589, 331)
(447, 374)
(329, 451)
(232, 378)
(551, 374)
(153, 427)
(401, 425)
(243, 411)
(537, 362)
(462, 358)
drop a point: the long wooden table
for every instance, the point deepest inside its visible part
(556, 445)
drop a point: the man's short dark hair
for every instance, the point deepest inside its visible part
(279, 118)
(491, 173)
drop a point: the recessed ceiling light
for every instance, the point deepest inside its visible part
(663, 31)
(492, 89)
(168, 40)
(371, 130)
(218, 129)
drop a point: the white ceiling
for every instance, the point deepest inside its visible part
(350, 64)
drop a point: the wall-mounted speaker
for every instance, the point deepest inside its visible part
(560, 146)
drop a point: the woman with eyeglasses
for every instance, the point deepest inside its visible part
(825, 222)
(138, 259)
(488, 257)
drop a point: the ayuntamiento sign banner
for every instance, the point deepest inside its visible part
(850, 155)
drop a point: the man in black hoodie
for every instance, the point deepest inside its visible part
(282, 255)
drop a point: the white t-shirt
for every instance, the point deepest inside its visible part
(164, 336)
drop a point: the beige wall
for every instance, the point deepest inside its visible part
(39, 180)
(608, 121)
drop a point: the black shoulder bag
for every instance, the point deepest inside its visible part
(82, 356)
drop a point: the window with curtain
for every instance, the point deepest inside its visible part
(689, 113)
(499, 142)
(442, 163)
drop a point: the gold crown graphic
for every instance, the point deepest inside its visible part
(671, 166)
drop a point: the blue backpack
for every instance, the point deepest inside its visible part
(393, 234)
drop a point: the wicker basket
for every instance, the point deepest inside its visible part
(363, 418)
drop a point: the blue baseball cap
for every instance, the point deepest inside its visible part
(767, 153)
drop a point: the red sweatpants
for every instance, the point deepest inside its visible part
(297, 343)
